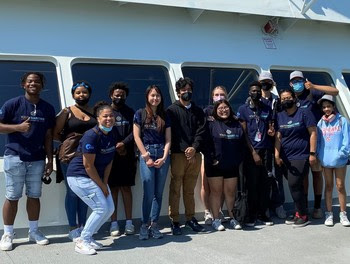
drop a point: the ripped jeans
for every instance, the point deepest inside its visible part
(102, 207)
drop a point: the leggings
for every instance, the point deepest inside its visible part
(297, 171)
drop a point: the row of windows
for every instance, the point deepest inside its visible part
(138, 77)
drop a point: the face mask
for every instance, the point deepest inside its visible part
(82, 102)
(255, 96)
(119, 101)
(266, 86)
(298, 87)
(186, 96)
(218, 98)
(106, 129)
(287, 104)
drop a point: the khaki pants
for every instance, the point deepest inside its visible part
(183, 174)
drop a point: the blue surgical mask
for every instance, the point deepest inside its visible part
(298, 87)
(106, 129)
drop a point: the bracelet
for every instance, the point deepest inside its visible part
(145, 155)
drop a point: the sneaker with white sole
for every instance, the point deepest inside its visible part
(74, 234)
(94, 244)
(344, 219)
(328, 219)
(217, 225)
(129, 229)
(235, 224)
(208, 218)
(154, 231)
(38, 237)
(144, 232)
(280, 212)
(114, 229)
(84, 247)
(6, 241)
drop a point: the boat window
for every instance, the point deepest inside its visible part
(137, 77)
(10, 76)
(347, 79)
(206, 79)
(281, 78)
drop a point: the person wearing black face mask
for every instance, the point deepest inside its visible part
(295, 147)
(277, 197)
(123, 170)
(187, 136)
(77, 118)
(256, 119)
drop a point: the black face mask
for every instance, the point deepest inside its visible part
(255, 96)
(82, 102)
(186, 96)
(119, 102)
(266, 86)
(287, 104)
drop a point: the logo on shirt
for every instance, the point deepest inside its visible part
(290, 125)
(121, 123)
(228, 132)
(290, 122)
(89, 147)
(0, 112)
(119, 118)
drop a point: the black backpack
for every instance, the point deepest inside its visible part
(240, 209)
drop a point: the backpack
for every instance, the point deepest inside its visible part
(240, 209)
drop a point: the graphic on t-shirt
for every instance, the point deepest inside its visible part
(89, 146)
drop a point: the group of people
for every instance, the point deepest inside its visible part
(267, 138)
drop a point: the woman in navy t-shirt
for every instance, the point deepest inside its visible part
(222, 159)
(87, 175)
(152, 134)
(295, 148)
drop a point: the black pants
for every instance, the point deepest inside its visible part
(258, 183)
(297, 170)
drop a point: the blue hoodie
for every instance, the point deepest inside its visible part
(333, 147)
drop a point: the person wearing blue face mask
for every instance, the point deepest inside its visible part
(307, 95)
(88, 173)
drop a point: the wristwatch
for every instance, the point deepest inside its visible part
(312, 153)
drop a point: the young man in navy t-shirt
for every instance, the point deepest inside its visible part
(307, 95)
(28, 122)
(256, 119)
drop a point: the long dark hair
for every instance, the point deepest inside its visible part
(215, 110)
(160, 112)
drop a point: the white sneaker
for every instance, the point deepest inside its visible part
(217, 225)
(94, 244)
(329, 219)
(38, 237)
(83, 247)
(74, 234)
(129, 229)
(114, 230)
(280, 212)
(344, 219)
(235, 224)
(6, 241)
(208, 218)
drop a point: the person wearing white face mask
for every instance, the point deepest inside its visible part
(218, 93)
(307, 95)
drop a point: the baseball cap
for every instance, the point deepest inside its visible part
(326, 97)
(265, 75)
(296, 74)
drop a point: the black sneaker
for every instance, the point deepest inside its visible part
(301, 221)
(265, 220)
(176, 229)
(291, 219)
(193, 224)
(250, 222)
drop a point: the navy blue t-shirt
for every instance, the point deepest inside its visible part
(257, 124)
(150, 134)
(29, 146)
(295, 143)
(307, 100)
(94, 143)
(226, 143)
(123, 122)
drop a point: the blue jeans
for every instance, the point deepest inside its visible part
(102, 207)
(18, 172)
(153, 181)
(73, 204)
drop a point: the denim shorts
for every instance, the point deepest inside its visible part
(18, 172)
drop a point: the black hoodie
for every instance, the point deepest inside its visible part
(187, 127)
